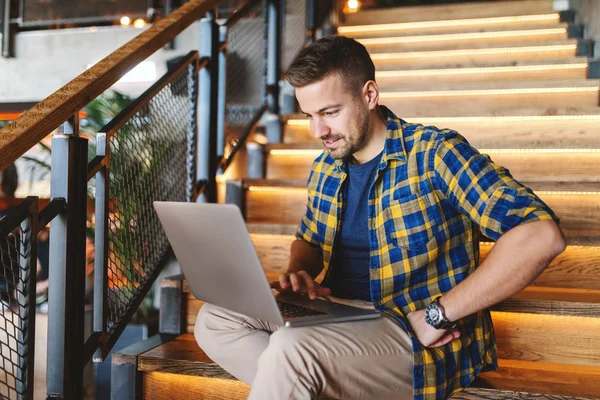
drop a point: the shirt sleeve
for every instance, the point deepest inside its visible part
(483, 190)
(307, 230)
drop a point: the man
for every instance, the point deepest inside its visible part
(392, 222)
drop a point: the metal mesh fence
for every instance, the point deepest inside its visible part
(149, 160)
(50, 12)
(16, 326)
(294, 31)
(246, 67)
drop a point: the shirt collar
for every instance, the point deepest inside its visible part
(393, 148)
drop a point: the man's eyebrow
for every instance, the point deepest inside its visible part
(322, 109)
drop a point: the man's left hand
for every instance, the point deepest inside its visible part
(427, 334)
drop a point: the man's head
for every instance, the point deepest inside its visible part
(335, 86)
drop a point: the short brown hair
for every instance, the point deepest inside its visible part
(329, 55)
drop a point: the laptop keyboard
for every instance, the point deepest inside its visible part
(294, 311)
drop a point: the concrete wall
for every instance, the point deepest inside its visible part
(46, 60)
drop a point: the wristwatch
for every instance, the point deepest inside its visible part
(436, 317)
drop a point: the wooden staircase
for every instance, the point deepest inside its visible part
(511, 77)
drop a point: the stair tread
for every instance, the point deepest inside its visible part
(419, 85)
(574, 237)
(536, 186)
(508, 66)
(556, 112)
(183, 356)
(483, 47)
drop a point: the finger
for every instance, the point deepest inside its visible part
(446, 338)
(323, 291)
(295, 280)
(309, 284)
(284, 281)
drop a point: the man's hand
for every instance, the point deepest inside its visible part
(300, 282)
(427, 334)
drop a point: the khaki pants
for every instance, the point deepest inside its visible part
(351, 360)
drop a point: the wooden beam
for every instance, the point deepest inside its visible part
(31, 127)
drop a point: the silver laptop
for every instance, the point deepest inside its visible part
(212, 244)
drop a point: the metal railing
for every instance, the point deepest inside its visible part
(169, 144)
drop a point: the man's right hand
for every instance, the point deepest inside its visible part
(300, 282)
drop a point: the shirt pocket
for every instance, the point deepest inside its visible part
(412, 222)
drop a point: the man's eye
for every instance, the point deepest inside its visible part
(331, 113)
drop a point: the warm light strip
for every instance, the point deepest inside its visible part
(295, 152)
(564, 193)
(307, 152)
(446, 23)
(472, 52)
(538, 151)
(486, 92)
(273, 188)
(488, 70)
(461, 36)
(506, 118)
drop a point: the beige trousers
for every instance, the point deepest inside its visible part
(351, 360)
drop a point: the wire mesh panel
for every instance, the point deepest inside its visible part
(149, 160)
(17, 319)
(246, 67)
(294, 30)
(49, 12)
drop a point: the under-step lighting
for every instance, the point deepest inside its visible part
(273, 188)
(470, 71)
(472, 52)
(538, 151)
(461, 36)
(295, 152)
(446, 23)
(505, 118)
(486, 92)
(564, 193)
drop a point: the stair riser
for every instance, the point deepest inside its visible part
(433, 43)
(449, 11)
(485, 104)
(460, 27)
(415, 82)
(163, 386)
(574, 134)
(578, 267)
(287, 206)
(525, 167)
(451, 60)
(525, 337)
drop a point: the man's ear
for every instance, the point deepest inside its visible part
(370, 94)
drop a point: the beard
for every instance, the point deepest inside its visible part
(353, 141)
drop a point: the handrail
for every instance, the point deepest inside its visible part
(22, 134)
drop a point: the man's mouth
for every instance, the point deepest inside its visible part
(331, 143)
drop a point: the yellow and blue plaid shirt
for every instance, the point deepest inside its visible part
(431, 196)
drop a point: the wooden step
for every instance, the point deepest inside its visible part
(284, 201)
(541, 129)
(468, 40)
(449, 12)
(486, 102)
(509, 23)
(289, 161)
(492, 55)
(409, 79)
(180, 369)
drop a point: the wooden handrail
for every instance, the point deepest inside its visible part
(22, 134)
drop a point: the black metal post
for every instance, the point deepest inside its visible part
(207, 108)
(311, 21)
(101, 248)
(274, 55)
(66, 315)
(6, 29)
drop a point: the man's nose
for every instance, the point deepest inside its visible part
(320, 129)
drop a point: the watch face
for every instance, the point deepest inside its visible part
(432, 314)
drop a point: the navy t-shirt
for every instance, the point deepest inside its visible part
(350, 274)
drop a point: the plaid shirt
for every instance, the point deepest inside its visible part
(432, 195)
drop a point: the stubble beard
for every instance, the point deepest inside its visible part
(352, 142)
